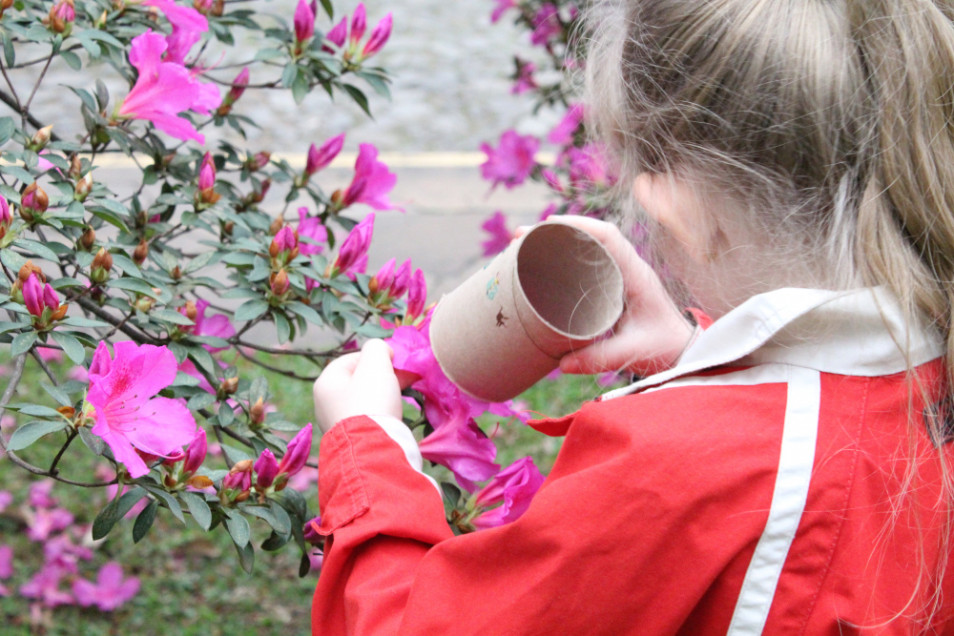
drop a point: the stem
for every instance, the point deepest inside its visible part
(290, 374)
(54, 471)
(39, 81)
(43, 365)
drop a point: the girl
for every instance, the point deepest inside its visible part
(788, 469)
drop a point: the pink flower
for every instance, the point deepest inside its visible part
(588, 166)
(402, 280)
(164, 89)
(382, 281)
(463, 448)
(207, 172)
(195, 453)
(44, 587)
(297, 452)
(355, 246)
(372, 181)
(304, 22)
(5, 217)
(416, 295)
(128, 417)
(514, 487)
(523, 81)
(188, 25)
(216, 326)
(512, 162)
(502, 5)
(546, 24)
(310, 228)
(39, 494)
(337, 35)
(319, 158)
(110, 590)
(37, 297)
(285, 240)
(359, 22)
(562, 134)
(46, 521)
(49, 354)
(239, 84)
(5, 499)
(500, 236)
(266, 469)
(379, 37)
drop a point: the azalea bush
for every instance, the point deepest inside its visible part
(579, 178)
(149, 307)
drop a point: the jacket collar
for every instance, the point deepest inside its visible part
(859, 332)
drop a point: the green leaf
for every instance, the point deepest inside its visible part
(359, 98)
(275, 541)
(30, 432)
(330, 10)
(144, 521)
(133, 284)
(114, 511)
(93, 442)
(246, 554)
(304, 566)
(200, 401)
(300, 88)
(238, 527)
(37, 248)
(9, 53)
(282, 326)
(169, 500)
(281, 525)
(57, 394)
(6, 123)
(170, 315)
(250, 310)
(73, 348)
(36, 410)
(22, 343)
(198, 508)
(80, 321)
(289, 74)
(305, 312)
(72, 59)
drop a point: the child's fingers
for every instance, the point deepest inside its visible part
(374, 364)
(612, 354)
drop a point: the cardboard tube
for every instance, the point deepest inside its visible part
(554, 290)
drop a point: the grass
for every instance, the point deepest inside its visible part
(191, 582)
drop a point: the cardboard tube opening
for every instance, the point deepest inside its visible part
(569, 280)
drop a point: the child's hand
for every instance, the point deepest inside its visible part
(360, 383)
(651, 334)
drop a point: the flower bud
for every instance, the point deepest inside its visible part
(200, 482)
(195, 453)
(100, 267)
(141, 252)
(202, 6)
(319, 158)
(257, 412)
(4, 5)
(276, 226)
(266, 468)
(176, 273)
(299, 448)
(101, 20)
(144, 304)
(76, 168)
(41, 137)
(227, 387)
(218, 7)
(258, 161)
(27, 269)
(278, 282)
(61, 17)
(33, 202)
(87, 239)
(238, 84)
(83, 187)
(242, 466)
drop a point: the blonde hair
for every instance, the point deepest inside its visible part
(829, 122)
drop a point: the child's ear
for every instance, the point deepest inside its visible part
(679, 209)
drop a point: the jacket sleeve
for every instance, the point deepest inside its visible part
(594, 554)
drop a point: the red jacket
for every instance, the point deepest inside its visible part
(761, 486)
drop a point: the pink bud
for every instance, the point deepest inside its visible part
(299, 448)
(416, 295)
(379, 37)
(266, 468)
(286, 240)
(354, 191)
(304, 21)
(318, 158)
(195, 453)
(359, 22)
(5, 217)
(239, 480)
(337, 35)
(207, 172)
(238, 85)
(33, 295)
(383, 280)
(402, 279)
(50, 299)
(356, 244)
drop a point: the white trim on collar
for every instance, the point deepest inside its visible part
(856, 332)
